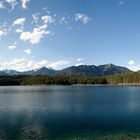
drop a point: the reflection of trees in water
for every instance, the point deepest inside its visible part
(2, 135)
(33, 132)
(20, 126)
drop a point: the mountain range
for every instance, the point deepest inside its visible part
(83, 70)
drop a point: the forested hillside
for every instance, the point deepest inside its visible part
(130, 78)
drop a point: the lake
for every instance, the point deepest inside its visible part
(68, 112)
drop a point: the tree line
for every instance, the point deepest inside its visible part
(130, 78)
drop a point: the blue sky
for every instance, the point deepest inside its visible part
(62, 33)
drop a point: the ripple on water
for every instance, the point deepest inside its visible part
(33, 132)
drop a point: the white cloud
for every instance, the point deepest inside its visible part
(4, 25)
(38, 33)
(63, 20)
(2, 6)
(43, 27)
(47, 19)
(80, 59)
(78, 64)
(12, 3)
(46, 9)
(12, 47)
(131, 62)
(24, 3)
(25, 64)
(35, 17)
(3, 33)
(35, 36)
(82, 18)
(4, 30)
(28, 51)
(20, 30)
(58, 64)
(132, 65)
(19, 21)
(135, 67)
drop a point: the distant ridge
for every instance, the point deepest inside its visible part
(92, 70)
(83, 70)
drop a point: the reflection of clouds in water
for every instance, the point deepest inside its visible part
(26, 99)
(21, 98)
(33, 132)
(133, 98)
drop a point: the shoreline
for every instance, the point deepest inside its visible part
(94, 85)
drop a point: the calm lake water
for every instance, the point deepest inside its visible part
(64, 112)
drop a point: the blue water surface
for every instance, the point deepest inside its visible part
(50, 112)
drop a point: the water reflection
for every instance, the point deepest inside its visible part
(51, 112)
(33, 132)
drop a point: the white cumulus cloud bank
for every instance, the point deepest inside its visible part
(25, 64)
(38, 33)
(35, 36)
(79, 17)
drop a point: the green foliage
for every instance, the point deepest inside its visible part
(50, 80)
(130, 78)
(61, 80)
